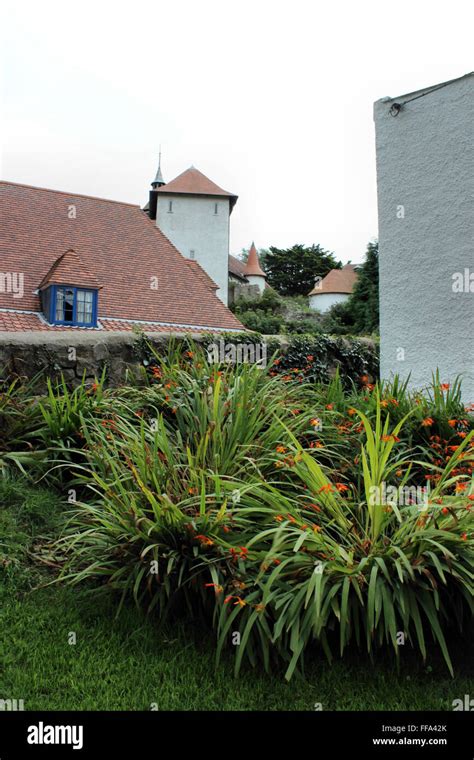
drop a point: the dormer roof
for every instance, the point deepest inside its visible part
(68, 269)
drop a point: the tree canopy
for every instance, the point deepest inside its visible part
(364, 301)
(292, 271)
(359, 315)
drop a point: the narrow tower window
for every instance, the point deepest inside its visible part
(216, 208)
(170, 207)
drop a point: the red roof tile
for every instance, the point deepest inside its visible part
(337, 281)
(19, 321)
(194, 182)
(200, 272)
(237, 267)
(69, 270)
(252, 266)
(144, 277)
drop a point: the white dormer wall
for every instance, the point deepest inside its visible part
(198, 232)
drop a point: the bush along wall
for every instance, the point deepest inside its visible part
(305, 357)
(317, 358)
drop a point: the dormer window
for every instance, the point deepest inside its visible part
(67, 305)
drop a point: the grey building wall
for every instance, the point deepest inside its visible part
(198, 232)
(425, 176)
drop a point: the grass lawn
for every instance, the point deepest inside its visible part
(130, 663)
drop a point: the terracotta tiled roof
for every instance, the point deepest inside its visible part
(253, 265)
(19, 321)
(69, 270)
(117, 244)
(194, 182)
(237, 267)
(200, 272)
(337, 281)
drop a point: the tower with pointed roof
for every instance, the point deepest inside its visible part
(194, 213)
(253, 271)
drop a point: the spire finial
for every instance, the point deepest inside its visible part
(158, 181)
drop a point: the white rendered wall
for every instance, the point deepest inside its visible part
(323, 301)
(193, 225)
(425, 175)
(256, 279)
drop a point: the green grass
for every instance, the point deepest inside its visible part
(130, 663)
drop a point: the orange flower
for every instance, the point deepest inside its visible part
(341, 487)
(279, 518)
(364, 378)
(281, 449)
(218, 589)
(329, 406)
(445, 510)
(310, 358)
(351, 411)
(427, 422)
(452, 423)
(326, 488)
(240, 553)
(315, 422)
(463, 536)
(316, 507)
(205, 541)
(460, 487)
(444, 387)
(384, 403)
(390, 437)
(317, 528)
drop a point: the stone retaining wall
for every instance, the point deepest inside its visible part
(76, 354)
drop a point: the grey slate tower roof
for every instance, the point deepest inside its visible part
(158, 181)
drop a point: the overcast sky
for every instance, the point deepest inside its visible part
(272, 100)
